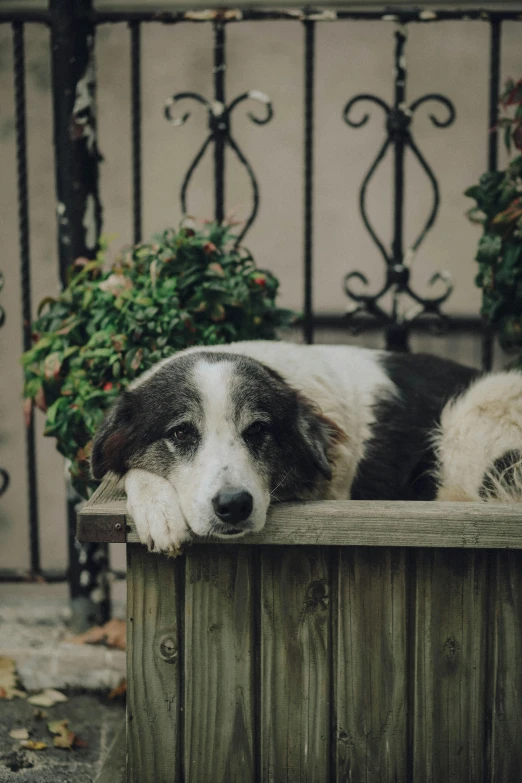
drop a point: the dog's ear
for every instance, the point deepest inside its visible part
(319, 434)
(113, 440)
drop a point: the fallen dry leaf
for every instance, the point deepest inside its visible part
(112, 634)
(119, 691)
(63, 736)
(47, 698)
(8, 680)
(19, 734)
(39, 714)
(33, 745)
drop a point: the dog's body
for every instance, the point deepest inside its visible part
(209, 437)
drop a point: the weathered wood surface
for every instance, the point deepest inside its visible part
(295, 671)
(346, 523)
(449, 657)
(371, 664)
(314, 664)
(504, 755)
(154, 705)
(218, 676)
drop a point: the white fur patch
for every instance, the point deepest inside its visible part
(476, 429)
(153, 504)
(222, 461)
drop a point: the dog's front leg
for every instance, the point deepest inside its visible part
(153, 504)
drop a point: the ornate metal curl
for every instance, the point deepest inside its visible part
(219, 133)
(398, 120)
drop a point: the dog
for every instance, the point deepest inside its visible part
(209, 437)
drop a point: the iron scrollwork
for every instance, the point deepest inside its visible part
(219, 129)
(397, 279)
(4, 475)
(219, 135)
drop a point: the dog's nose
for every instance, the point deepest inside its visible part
(232, 505)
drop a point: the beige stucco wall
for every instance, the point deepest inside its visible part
(450, 58)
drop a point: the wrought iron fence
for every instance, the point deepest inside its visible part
(72, 25)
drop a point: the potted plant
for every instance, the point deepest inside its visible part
(498, 209)
(186, 287)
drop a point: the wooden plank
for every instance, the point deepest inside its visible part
(219, 638)
(371, 665)
(449, 667)
(114, 767)
(104, 516)
(505, 669)
(295, 676)
(154, 584)
(352, 523)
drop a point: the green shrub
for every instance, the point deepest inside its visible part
(107, 326)
(498, 209)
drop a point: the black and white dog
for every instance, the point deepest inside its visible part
(208, 438)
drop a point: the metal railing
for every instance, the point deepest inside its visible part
(72, 25)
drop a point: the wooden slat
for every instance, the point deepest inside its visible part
(449, 667)
(153, 665)
(219, 637)
(352, 523)
(371, 665)
(104, 516)
(505, 669)
(295, 677)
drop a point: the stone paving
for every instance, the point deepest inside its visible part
(33, 629)
(92, 717)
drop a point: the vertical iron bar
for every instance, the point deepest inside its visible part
(136, 128)
(488, 334)
(398, 150)
(25, 274)
(220, 128)
(79, 226)
(397, 331)
(79, 209)
(494, 93)
(309, 66)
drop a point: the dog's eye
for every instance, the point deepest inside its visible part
(182, 433)
(257, 430)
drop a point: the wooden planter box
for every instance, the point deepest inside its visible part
(349, 641)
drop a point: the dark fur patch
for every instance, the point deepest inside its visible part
(141, 416)
(298, 452)
(503, 473)
(399, 459)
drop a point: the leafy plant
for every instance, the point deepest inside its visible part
(498, 209)
(107, 326)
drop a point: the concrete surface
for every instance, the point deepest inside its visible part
(33, 626)
(33, 630)
(92, 717)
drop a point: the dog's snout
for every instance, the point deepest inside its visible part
(233, 506)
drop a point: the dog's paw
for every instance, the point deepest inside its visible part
(153, 504)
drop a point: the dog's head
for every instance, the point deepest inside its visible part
(226, 431)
